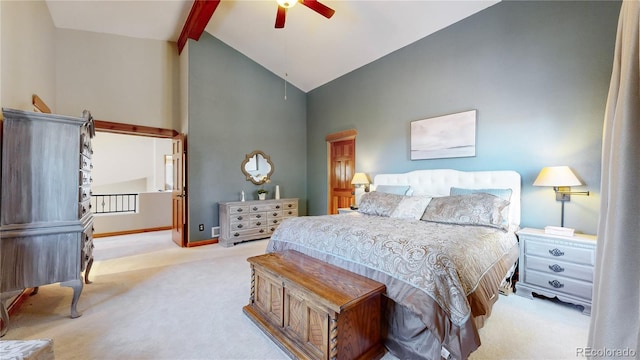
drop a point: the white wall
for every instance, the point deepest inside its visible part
(117, 78)
(28, 53)
(128, 164)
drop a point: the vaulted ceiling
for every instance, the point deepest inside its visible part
(309, 51)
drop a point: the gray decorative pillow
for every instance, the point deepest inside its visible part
(479, 209)
(501, 193)
(379, 203)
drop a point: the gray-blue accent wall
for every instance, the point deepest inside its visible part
(537, 72)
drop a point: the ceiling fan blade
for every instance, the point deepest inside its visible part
(280, 17)
(319, 8)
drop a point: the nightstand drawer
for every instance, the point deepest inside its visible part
(554, 267)
(560, 252)
(576, 288)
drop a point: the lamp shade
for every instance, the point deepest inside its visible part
(556, 176)
(287, 3)
(360, 179)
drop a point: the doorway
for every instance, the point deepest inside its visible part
(341, 163)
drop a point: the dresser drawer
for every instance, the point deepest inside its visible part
(84, 208)
(240, 217)
(274, 214)
(289, 212)
(240, 225)
(289, 205)
(560, 284)
(84, 193)
(239, 209)
(561, 252)
(261, 207)
(252, 233)
(554, 267)
(85, 163)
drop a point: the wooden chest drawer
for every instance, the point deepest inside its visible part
(314, 310)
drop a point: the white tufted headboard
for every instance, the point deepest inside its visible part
(438, 182)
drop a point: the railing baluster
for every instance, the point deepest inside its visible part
(114, 203)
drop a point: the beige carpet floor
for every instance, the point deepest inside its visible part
(153, 300)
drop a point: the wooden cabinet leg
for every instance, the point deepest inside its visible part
(77, 286)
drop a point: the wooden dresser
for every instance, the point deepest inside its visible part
(248, 220)
(46, 226)
(557, 266)
(314, 310)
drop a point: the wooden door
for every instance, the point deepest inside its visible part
(179, 194)
(342, 160)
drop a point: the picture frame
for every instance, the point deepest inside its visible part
(446, 136)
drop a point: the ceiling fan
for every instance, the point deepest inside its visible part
(314, 5)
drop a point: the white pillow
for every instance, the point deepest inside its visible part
(411, 207)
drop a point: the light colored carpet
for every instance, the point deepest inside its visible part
(153, 300)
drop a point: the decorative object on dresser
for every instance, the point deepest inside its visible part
(313, 310)
(46, 225)
(557, 266)
(249, 220)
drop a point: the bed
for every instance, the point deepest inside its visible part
(442, 241)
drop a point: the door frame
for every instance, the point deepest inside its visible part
(349, 134)
(139, 130)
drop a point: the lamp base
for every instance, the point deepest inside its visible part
(557, 230)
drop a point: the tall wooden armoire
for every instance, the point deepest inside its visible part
(46, 225)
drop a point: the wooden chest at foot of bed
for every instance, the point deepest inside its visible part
(314, 310)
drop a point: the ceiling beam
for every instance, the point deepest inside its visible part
(198, 18)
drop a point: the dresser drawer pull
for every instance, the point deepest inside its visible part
(290, 205)
(261, 231)
(556, 252)
(258, 216)
(275, 221)
(239, 218)
(275, 214)
(239, 210)
(277, 206)
(556, 268)
(259, 223)
(236, 234)
(255, 208)
(556, 284)
(273, 229)
(239, 226)
(290, 212)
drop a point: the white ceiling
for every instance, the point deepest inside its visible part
(310, 51)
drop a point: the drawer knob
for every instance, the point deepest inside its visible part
(239, 217)
(236, 234)
(556, 268)
(239, 226)
(290, 212)
(255, 208)
(259, 223)
(290, 205)
(261, 231)
(556, 284)
(277, 206)
(275, 221)
(258, 216)
(239, 210)
(556, 252)
(275, 214)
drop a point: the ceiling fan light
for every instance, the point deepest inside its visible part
(287, 3)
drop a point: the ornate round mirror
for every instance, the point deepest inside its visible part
(257, 167)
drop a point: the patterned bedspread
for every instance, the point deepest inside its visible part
(445, 262)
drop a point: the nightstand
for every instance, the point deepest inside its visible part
(557, 266)
(346, 210)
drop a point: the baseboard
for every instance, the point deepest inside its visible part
(203, 242)
(127, 232)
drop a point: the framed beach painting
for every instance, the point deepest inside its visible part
(447, 136)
